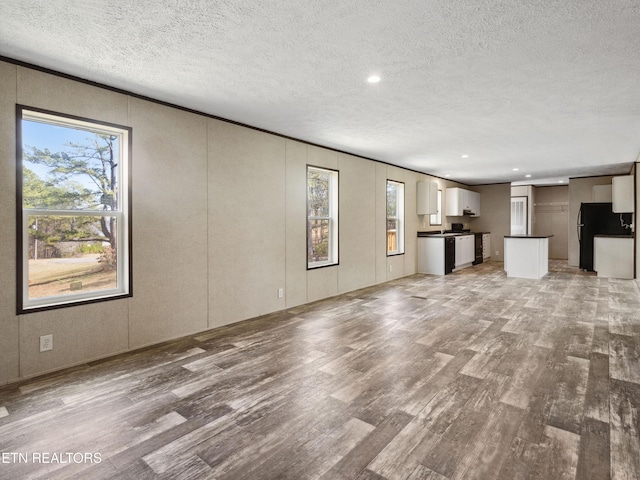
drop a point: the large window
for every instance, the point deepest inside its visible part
(395, 217)
(74, 221)
(322, 217)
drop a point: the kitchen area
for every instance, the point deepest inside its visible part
(605, 231)
(558, 218)
(441, 252)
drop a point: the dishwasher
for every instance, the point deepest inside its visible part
(449, 254)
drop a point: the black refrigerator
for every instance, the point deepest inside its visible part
(598, 219)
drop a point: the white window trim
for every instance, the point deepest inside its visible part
(333, 256)
(122, 215)
(399, 217)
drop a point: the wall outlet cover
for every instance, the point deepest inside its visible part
(46, 343)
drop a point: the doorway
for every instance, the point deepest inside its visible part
(519, 216)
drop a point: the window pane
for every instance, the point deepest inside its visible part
(318, 193)
(318, 238)
(68, 168)
(71, 254)
(392, 199)
(392, 235)
(395, 217)
(322, 217)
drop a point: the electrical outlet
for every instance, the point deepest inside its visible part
(390, 268)
(497, 253)
(46, 343)
(280, 292)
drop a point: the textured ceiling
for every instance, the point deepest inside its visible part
(549, 87)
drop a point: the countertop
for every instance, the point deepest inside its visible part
(441, 235)
(615, 236)
(433, 234)
(528, 236)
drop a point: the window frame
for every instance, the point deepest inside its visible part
(438, 215)
(123, 215)
(400, 217)
(333, 217)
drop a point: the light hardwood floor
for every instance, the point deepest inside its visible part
(468, 376)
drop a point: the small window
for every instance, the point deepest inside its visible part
(322, 217)
(74, 221)
(436, 218)
(395, 217)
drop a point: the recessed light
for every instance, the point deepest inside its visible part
(516, 169)
(448, 175)
(465, 156)
(528, 176)
(373, 79)
(560, 181)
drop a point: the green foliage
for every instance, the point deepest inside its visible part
(392, 200)
(93, 247)
(57, 235)
(321, 250)
(38, 193)
(70, 171)
(318, 193)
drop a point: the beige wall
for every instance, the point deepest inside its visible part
(580, 191)
(495, 217)
(9, 322)
(219, 225)
(246, 221)
(551, 217)
(170, 223)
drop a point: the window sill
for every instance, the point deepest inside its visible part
(323, 265)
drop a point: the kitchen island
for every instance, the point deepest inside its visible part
(526, 256)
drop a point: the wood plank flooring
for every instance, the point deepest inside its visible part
(468, 376)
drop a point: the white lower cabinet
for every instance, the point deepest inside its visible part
(431, 255)
(613, 256)
(465, 250)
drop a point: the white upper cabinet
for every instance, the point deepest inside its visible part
(427, 198)
(622, 194)
(462, 202)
